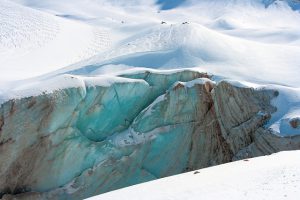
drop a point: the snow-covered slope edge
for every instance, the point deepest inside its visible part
(274, 177)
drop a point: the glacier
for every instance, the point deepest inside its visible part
(77, 142)
(100, 95)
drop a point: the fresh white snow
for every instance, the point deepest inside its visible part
(273, 177)
(235, 39)
(33, 43)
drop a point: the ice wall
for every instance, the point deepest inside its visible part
(82, 141)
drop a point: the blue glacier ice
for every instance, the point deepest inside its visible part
(81, 141)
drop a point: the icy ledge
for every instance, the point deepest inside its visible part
(80, 141)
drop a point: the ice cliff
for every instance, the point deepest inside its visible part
(81, 141)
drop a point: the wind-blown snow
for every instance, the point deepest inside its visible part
(259, 45)
(34, 43)
(274, 177)
(236, 39)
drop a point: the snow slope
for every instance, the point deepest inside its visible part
(236, 39)
(194, 45)
(270, 177)
(33, 43)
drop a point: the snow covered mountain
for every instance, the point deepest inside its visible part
(217, 39)
(97, 95)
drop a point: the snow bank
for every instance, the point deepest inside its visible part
(285, 119)
(268, 177)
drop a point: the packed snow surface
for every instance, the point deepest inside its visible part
(269, 177)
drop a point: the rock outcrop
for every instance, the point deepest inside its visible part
(79, 142)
